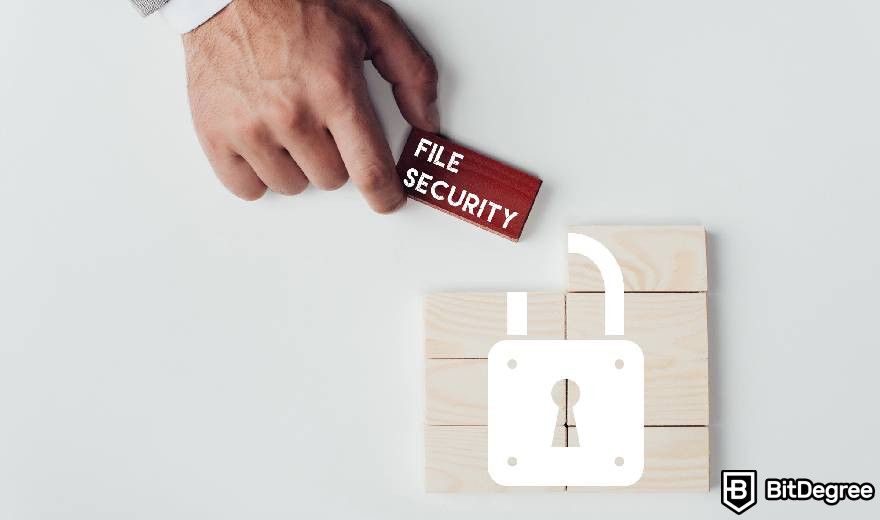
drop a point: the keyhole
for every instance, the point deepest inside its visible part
(573, 393)
(558, 394)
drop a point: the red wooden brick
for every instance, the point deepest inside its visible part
(467, 184)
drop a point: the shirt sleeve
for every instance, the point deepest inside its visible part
(147, 7)
(186, 15)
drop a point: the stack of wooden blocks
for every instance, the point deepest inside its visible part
(665, 280)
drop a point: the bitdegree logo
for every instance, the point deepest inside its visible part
(805, 489)
(739, 490)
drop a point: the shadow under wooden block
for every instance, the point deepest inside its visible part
(456, 392)
(456, 461)
(676, 459)
(671, 329)
(466, 325)
(652, 258)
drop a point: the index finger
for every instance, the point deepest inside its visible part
(366, 153)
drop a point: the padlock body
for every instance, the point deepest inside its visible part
(610, 412)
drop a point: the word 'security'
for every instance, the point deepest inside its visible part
(467, 184)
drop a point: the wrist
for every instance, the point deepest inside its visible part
(186, 15)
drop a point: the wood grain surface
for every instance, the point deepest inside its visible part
(676, 459)
(456, 392)
(466, 325)
(671, 329)
(456, 461)
(652, 258)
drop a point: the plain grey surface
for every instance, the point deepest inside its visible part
(167, 351)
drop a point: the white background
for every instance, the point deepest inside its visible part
(167, 351)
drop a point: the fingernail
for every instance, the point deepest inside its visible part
(392, 207)
(401, 204)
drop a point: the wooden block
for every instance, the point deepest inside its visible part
(466, 184)
(456, 461)
(456, 392)
(652, 258)
(676, 459)
(672, 331)
(466, 325)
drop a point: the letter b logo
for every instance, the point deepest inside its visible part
(738, 490)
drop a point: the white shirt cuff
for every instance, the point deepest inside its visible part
(186, 15)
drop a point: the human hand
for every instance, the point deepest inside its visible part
(279, 98)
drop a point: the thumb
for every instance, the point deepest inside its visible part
(403, 62)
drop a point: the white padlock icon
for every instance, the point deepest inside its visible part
(610, 411)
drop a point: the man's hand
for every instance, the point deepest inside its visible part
(279, 98)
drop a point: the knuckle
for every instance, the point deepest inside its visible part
(338, 80)
(380, 8)
(334, 88)
(213, 142)
(249, 130)
(341, 36)
(285, 108)
(427, 73)
(291, 117)
(349, 42)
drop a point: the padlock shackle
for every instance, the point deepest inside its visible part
(612, 278)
